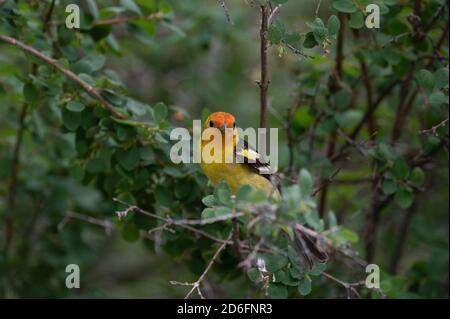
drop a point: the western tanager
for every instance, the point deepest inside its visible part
(247, 171)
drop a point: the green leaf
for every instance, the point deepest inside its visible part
(310, 41)
(347, 235)
(302, 118)
(404, 198)
(425, 79)
(254, 275)
(222, 194)
(95, 165)
(280, 276)
(243, 192)
(297, 272)
(437, 98)
(208, 213)
(317, 269)
(277, 291)
(305, 182)
(274, 263)
(389, 186)
(209, 201)
(332, 220)
(174, 171)
(319, 30)
(131, 6)
(400, 168)
(356, 20)
(30, 92)
(441, 78)
(313, 220)
(417, 176)
(304, 287)
(292, 38)
(130, 232)
(342, 99)
(137, 107)
(333, 25)
(220, 211)
(276, 32)
(75, 106)
(128, 159)
(147, 154)
(345, 6)
(93, 9)
(160, 112)
(71, 119)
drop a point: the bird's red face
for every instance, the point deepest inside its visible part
(220, 120)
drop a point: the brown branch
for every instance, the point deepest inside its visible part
(87, 87)
(401, 238)
(369, 95)
(48, 16)
(435, 17)
(334, 87)
(290, 140)
(9, 222)
(370, 111)
(263, 83)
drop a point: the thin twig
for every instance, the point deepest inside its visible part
(106, 224)
(180, 223)
(316, 13)
(434, 129)
(247, 262)
(325, 182)
(349, 287)
(196, 285)
(225, 9)
(272, 14)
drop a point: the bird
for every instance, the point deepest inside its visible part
(247, 170)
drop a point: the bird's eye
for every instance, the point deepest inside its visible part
(234, 124)
(211, 124)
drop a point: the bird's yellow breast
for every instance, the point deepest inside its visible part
(236, 175)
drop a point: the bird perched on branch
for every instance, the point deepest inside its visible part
(246, 167)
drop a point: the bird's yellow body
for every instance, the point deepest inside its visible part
(234, 174)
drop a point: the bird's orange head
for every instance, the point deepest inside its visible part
(220, 120)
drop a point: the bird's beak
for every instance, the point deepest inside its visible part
(224, 126)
